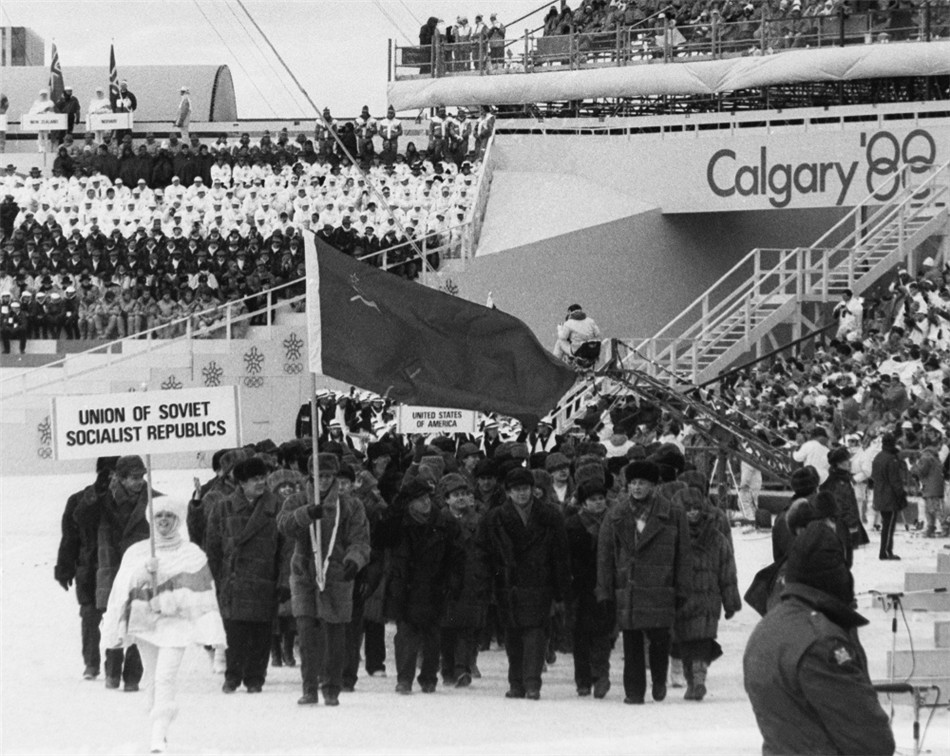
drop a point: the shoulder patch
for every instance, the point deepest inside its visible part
(843, 656)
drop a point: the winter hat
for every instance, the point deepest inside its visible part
(805, 480)
(435, 464)
(519, 476)
(379, 449)
(415, 489)
(591, 471)
(346, 471)
(695, 479)
(689, 498)
(888, 442)
(106, 463)
(467, 450)
(179, 508)
(838, 455)
(485, 469)
(645, 470)
(328, 463)
(805, 511)
(635, 452)
(556, 461)
(443, 444)
(590, 488)
(453, 482)
(518, 451)
(280, 478)
(670, 460)
(230, 458)
(254, 467)
(126, 466)
(816, 558)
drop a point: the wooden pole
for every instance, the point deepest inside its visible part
(318, 532)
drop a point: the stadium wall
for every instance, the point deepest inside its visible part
(633, 274)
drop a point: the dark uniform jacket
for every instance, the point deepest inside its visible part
(76, 559)
(529, 564)
(806, 676)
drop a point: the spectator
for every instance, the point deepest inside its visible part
(69, 105)
(99, 105)
(890, 498)
(183, 118)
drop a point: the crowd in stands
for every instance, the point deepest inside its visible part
(124, 237)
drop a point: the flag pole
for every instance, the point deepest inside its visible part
(151, 517)
(317, 528)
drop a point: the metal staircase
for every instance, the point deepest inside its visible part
(771, 287)
(730, 320)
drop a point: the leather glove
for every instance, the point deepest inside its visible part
(65, 582)
(730, 615)
(315, 511)
(151, 564)
(350, 568)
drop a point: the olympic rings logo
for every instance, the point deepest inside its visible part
(44, 452)
(254, 382)
(293, 368)
(886, 155)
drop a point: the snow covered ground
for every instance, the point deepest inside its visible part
(45, 706)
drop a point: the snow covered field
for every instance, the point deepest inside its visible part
(45, 706)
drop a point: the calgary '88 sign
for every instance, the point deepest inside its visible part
(887, 155)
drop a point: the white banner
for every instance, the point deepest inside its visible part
(108, 121)
(427, 420)
(155, 422)
(43, 122)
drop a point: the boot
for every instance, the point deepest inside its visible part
(690, 694)
(161, 720)
(276, 660)
(676, 673)
(699, 679)
(288, 650)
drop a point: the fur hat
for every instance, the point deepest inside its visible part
(590, 488)
(453, 482)
(128, 465)
(591, 471)
(485, 469)
(816, 558)
(467, 450)
(519, 476)
(695, 479)
(253, 467)
(556, 461)
(805, 480)
(328, 463)
(415, 489)
(645, 470)
(689, 498)
(435, 463)
(280, 478)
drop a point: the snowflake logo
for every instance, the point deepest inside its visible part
(45, 429)
(450, 287)
(212, 374)
(172, 383)
(254, 361)
(293, 347)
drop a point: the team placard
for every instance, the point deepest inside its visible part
(157, 422)
(428, 420)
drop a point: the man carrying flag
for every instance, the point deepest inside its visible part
(420, 346)
(120, 98)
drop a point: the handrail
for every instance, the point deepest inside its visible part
(717, 38)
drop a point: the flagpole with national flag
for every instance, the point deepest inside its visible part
(55, 76)
(113, 79)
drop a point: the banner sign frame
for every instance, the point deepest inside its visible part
(109, 121)
(429, 420)
(42, 122)
(151, 422)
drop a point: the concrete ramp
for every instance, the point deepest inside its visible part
(525, 207)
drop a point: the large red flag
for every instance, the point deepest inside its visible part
(55, 76)
(420, 346)
(113, 78)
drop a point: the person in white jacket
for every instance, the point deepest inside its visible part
(814, 452)
(577, 329)
(97, 106)
(163, 604)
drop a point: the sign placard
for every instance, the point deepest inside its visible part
(43, 122)
(428, 420)
(156, 422)
(3, 121)
(109, 121)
